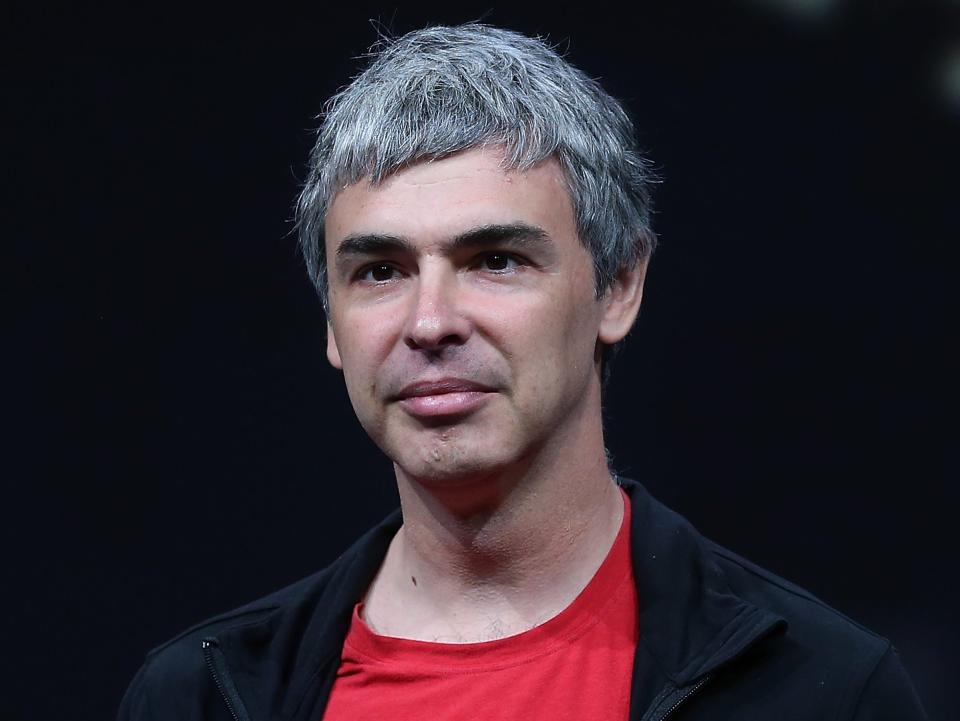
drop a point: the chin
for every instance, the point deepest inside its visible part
(448, 466)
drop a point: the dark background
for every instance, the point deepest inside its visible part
(179, 444)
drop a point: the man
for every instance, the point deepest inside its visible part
(476, 220)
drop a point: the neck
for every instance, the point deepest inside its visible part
(494, 555)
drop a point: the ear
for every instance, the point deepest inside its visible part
(333, 353)
(621, 303)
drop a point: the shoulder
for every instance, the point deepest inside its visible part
(174, 680)
(808, 660)
(808, 616)
(823, 652)
(718, 580)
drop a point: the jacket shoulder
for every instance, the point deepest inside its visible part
(803, 610)
(823, 648)
(174, 682)
(251, 612)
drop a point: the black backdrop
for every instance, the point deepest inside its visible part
(180, 444)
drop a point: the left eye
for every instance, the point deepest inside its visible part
(498, 262)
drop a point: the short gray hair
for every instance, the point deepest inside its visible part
(440, 90)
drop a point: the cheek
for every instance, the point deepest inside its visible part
(556, 340)
(364, 342)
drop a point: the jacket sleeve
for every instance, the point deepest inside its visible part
(889, 694)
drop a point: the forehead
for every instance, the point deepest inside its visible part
(434, 200)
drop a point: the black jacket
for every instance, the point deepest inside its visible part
(720, 639)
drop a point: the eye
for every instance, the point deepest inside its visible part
(498, 262)
(377, 273)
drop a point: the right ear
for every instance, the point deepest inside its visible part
(333, 353)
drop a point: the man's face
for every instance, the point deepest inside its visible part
(463, 314)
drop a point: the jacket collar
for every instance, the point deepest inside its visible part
(691, 623)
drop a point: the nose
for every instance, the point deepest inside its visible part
(435, 321)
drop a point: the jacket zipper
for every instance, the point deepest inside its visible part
(684, 694)
(221, 677)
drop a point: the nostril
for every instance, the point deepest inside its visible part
(451, 339)
(433, 343)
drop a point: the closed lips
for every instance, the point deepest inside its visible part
(441, 387)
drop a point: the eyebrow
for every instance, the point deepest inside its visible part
(521, 234)
(518, 234)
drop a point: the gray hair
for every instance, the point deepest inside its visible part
(440, 90)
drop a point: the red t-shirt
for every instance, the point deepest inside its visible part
(577, 665)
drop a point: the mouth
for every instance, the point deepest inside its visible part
(443, 397)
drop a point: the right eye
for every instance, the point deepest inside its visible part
(377, 273)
